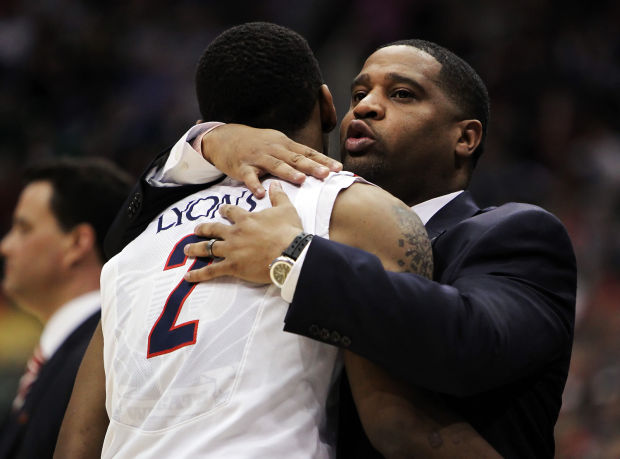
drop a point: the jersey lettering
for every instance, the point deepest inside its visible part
(205, 207)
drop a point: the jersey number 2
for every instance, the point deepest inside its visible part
(166, 335)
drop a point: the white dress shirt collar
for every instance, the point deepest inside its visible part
(64, 321)
(427, 209)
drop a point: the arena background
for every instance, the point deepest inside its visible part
(115, 79)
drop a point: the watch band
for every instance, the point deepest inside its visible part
(297, 246)
(280, 268)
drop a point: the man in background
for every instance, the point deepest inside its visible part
(53, 258)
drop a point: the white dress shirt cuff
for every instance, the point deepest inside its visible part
(185, 164)
(290, 284)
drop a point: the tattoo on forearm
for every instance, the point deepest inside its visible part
(417, 254)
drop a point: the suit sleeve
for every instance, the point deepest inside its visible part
(503, 306)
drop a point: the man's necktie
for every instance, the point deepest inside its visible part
(33, 366)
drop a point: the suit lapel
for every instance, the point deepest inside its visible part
(457, 210)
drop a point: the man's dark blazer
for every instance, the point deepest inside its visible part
(31, 432)
(492, 332)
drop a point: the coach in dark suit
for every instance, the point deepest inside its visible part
(491, 334)
(52, 266)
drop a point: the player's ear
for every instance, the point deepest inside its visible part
(327, 109)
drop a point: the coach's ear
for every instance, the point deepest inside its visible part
(327, 108)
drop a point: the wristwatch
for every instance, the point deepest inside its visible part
(280, 268)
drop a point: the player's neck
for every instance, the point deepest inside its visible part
(311, 134)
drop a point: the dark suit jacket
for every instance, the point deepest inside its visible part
(492, 332)
(32, 431)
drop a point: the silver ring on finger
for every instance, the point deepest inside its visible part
(210, 248)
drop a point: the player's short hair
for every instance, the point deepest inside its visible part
(460, 83)
(85, 190)
(260, 74)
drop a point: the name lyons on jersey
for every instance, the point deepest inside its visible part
(204, 207)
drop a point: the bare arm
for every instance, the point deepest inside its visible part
(400, 420)
(86, 421)
(404, 421)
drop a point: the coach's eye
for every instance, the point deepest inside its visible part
(358, 95)
(402, 94)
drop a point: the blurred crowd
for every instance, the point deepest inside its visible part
(115, 79)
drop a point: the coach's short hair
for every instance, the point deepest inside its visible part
(85, 190)
(461, 84)
(260, 74)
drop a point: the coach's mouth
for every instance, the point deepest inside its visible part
(359, 137)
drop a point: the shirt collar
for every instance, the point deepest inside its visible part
(64, 321)
(427, 209)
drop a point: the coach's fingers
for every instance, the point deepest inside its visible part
(212, 230)
(201, 249)
(279, 168)
(232, 213)
(324, 160)
(250, 175)
(308, 160)
(277, 196)
(211, 271)
(299, 162)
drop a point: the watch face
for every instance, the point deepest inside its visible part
(279, 272)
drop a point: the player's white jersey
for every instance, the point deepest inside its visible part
(205, 370)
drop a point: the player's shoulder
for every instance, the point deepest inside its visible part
(362, 195)
(363, 201)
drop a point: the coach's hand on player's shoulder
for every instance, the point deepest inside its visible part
(245, 248)
(246, 153)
